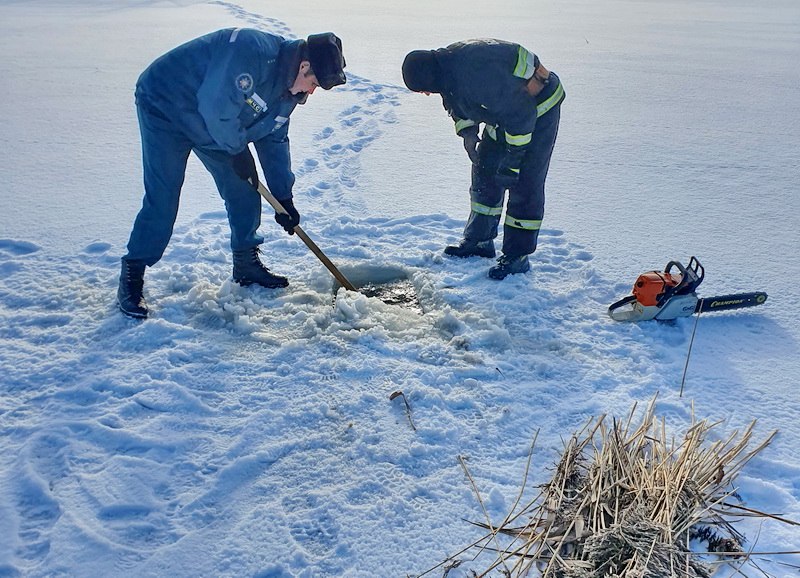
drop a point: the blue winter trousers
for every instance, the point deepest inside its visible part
(165, 152)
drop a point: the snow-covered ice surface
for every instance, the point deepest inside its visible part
(250, 432)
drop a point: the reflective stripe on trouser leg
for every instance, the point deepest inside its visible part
(526, 198)
(165, 151)
(485, 195)
(242, 201)
(482, 226)
(519, 241)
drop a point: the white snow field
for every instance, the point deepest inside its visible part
(250, 432)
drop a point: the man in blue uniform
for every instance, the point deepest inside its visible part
(214, 95)
(505, 87)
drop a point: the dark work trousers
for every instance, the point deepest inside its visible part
(525, 207)
(165, 151)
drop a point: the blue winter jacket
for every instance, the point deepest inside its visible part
(227, 89)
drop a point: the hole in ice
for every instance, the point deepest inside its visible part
(389, 284)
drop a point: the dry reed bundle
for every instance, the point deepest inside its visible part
(627, 503)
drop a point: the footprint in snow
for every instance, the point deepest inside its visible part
(256, 20)
(9, 269)
(97, 248)
(352, 121)
(213, 216)
(37, 511)
(18, 248)
(358, 144)
(324, 133)
(308, 166)
(335, 149)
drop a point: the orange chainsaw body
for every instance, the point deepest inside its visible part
(650, 286)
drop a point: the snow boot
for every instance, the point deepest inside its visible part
(509, 266)
(249, 270)
(130, 295)
(467, 248)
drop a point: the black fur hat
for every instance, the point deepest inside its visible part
(422, 72)
(326, 58)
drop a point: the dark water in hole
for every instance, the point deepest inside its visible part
(395, 293)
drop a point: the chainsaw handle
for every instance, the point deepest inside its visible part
(699, 270)
(677, 264)
(691, 277)
(694, 266)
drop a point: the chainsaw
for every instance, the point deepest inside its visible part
(663, 295)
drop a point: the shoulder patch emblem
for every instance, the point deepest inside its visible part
(244, 82)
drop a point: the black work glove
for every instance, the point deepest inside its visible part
(245, 167)
(471, 140)
(290, 219)
(508, 171)
(506, 177)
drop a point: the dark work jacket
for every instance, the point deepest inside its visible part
(227, 89)
(484, 81)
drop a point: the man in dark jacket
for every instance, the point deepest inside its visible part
(505, 87)
(214, 95)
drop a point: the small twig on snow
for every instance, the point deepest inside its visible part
(408, 407)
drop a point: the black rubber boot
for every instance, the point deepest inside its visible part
(249, 270)
(130, 295)
(467, 248)
(509, 266)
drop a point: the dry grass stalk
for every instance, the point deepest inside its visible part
(626, 503)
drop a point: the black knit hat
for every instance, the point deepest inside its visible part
(327, 60)
(421, 71)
